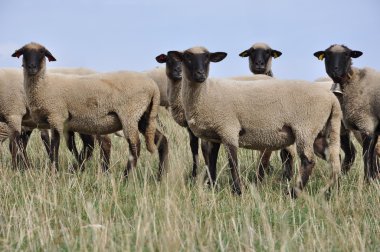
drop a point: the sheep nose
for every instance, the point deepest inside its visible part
(200, 75)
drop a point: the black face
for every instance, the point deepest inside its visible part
(259, 59)
(33, 58)
(196, 65)
(173, 66)
(338, 62)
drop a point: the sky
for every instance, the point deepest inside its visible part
(110, 35)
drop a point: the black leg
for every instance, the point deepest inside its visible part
(349, 150)
(163, 152)
(54, 149)
(194, 145)
(287, 160)
(105, 151)
(45, 140)
(213, 158)
(233, 163)
(366, 145)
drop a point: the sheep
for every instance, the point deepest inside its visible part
(260, 63)
(174, 79)
(358, 97)
(92, 104)
(15, 113)
(260, 58)
(221, 111)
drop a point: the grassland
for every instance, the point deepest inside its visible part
(92, 211)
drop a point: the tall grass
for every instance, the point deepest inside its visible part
(93, 211)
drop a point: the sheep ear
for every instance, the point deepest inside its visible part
(49, 56)
(356, 54)
(276, 54)
(162, 58)
(217, 56)
(320, 55)
(178, 56)
(245, 53)
(18, 53)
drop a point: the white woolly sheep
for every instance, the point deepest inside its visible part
(359, 99)
(270, 115)
(14, 110)
(93, 104)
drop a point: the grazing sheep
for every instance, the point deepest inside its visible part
(14, 113)
(270, 115)
(260, 58)
(92, 104)
(359, 99)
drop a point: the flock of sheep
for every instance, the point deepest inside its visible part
(255, 112)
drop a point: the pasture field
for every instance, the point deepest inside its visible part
(92, 211)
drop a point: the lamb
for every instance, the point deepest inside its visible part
(92, 104)
(15, 113)
(358, 97)
(220, 111)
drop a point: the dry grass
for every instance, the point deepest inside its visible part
(102, 212)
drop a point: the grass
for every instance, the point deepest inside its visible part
(92, 211)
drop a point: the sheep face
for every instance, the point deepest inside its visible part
(173, 66)
(33, 57)
(196, 62)
(338, 62)
(260, 58)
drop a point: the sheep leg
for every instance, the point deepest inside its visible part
(307, 165)
(205, 147)
(70, 142)
(15, 146)
(54, 148)
(87, 150)
(163, 151)
(366, 145)
(16, 143)
(233, 163)
(213, 158)
(134, 149)
(105, 151)
(349, 150)
(194, 145)
(287, 160)
(264, 164)
(25, 136)
(162, 144)
(372, 155)
(45, 139)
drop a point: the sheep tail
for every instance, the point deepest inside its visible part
(152, 113)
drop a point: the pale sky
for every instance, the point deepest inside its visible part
(128, 34)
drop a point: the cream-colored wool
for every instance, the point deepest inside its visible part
(360, 103)
(93, 104)
(265, 114)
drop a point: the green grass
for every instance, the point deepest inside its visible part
(92, 211)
